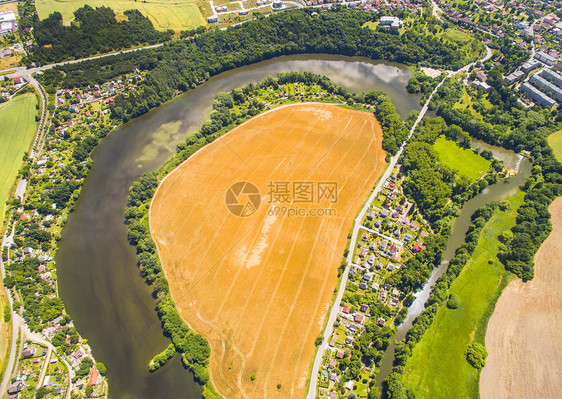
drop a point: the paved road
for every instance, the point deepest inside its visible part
(15, 326)
(357, 226)
(436, 10)
(23, 71)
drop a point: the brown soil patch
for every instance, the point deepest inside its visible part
(9, 7)
(259, 287)
(525, 331)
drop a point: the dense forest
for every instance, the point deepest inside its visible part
(93, 31)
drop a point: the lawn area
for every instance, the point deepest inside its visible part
(438, 366)
(177, 15)
(555, 141)
(466, 162)
(10, 61)
(471, 48)
(370, 24)
(17, 129)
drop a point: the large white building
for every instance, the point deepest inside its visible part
(391, 22)
(7, 22)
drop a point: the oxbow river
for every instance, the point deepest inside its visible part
(98, 277)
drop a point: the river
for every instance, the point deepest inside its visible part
(495, 192)
(98, 278)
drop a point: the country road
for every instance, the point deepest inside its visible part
(357, 226)
(23, 71)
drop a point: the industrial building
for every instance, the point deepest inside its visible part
(7, 22)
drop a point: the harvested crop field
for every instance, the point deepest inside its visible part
(525, 331)
(177, 15)
(259, 287)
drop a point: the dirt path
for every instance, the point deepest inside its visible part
(525, 333)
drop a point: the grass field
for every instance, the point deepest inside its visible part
(177, 14)
(555, 141)
(5, 335)
(524, 334)
(17, 129)
(438, 366)
(259, 287)
(466, 162)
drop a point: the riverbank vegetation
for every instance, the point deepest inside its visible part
(188, 62)
(431, 182)
(438, 366)
(510, 125)
(17, 129)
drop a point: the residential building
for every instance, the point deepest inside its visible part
(515, 76)
(545, 58)
(530, 65)
(537, 95)
(545, 85)
(482, 86)
(552, 76)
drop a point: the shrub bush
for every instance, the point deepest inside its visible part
(476, 355)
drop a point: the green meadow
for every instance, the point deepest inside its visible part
(17, 129)
(438, 367)
(555, 141)
(466, 162)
